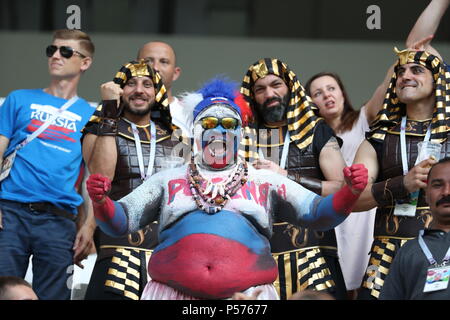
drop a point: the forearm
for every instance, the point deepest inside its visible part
(428, 21)
(328, 212)
(86, 211)
(111, 217)
(104, 157)
(322, 188)
(383, 193)
(89, 220)
(330, 187)
(312, 184)
(366, 200)
(104, 154)
(4, 142)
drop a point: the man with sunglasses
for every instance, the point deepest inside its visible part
(215, 214)
(128, 134)
(292, 140)
(39, 202)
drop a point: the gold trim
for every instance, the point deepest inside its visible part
(304, 249)
(389, 237)
(269, 146)
(143, 141)
(418, 208)
(122, 247)
(407, 133)
(121, 287)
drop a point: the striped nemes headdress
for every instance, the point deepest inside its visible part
(301, 113)
(393, 110)
(140, 68)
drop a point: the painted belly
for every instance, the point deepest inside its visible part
(213, 256)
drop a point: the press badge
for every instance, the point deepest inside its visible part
(437, 278)
(405, 209)
(7, 165)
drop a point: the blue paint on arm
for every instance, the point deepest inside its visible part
(117, 226)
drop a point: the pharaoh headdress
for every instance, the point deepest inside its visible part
(160, 111)
(301, 113)
(393, 110)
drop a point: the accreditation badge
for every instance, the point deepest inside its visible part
(405, 209)
(7, 165)
(437, 278)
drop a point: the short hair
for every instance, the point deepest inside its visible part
(78, 35)
(444, 160)
(10, 281)
(155, 41)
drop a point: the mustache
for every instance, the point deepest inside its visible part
(270, 100)
(443, 200)
(138, 95)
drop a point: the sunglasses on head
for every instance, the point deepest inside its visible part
(65, 51)
(213, 122)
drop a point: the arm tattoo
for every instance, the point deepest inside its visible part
(332, 143)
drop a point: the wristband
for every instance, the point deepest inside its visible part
(386, 192)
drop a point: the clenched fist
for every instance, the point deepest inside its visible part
(356, 177)
(111, 91)
(98, 187)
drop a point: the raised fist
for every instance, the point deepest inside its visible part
(110, 91)
(98, 187)
(356, 177)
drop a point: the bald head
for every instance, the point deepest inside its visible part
(161, 57)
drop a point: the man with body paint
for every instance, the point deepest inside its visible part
(214, 230)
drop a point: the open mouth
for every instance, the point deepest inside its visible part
(217, 148)
(330, 104)
(409, 85)
(139, 101)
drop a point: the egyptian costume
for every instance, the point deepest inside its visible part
(392, 230)
(306, 258)
(120, 271)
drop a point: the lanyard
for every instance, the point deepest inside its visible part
(284, 153)
(403, 143)
(427, 251)
(145, 176)
(47, 123)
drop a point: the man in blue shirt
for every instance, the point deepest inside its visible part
(39, 198)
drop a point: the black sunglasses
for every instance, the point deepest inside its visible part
(65, 51)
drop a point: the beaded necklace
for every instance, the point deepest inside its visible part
(214, 196)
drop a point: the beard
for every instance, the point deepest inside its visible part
(137, 112)
(275, 113)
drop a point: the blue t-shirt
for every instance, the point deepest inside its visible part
(46, 169)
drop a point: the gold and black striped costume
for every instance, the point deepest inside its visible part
(127, 274)
(306, 259)
(391, 231)
(120, 271)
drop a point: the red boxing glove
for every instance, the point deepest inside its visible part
(98, 187)
(356, 177)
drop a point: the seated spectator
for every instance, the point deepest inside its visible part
(15, 288)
